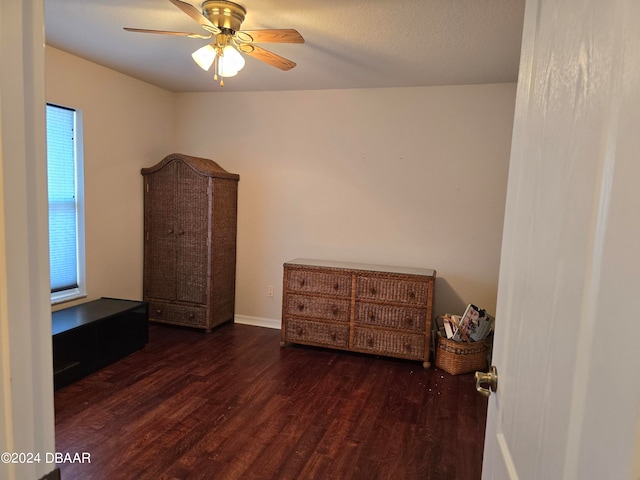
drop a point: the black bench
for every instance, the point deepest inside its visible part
(91, 335)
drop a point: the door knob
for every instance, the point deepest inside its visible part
(490, 378)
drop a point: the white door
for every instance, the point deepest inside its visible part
(568, 337)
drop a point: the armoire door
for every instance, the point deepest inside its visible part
(192, 238)
(160, 239)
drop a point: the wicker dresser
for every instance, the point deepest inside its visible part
(190, 210)
(374, 309)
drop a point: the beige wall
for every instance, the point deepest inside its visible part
(406, 176)
(128, 124)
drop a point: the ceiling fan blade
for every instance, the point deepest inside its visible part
(288, 35)
(194, 13)
(266, 56)
(166, 32)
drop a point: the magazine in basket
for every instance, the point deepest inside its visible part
(475, 324)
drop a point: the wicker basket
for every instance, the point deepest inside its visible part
(461, 357)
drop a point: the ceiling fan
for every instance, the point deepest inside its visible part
(222, 20)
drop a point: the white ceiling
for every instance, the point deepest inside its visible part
(348, 43)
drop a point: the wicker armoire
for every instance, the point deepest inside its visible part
(190, 211)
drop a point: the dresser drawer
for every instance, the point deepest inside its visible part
(391, 316)
(316, 333)
(391, 290)
(324, 283)
(177, 314)
(394, 344)
(334, 309)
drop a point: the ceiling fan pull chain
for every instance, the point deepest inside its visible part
(221, 67)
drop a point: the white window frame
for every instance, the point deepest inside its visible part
(81, 290)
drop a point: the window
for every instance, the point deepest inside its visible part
(66, 203)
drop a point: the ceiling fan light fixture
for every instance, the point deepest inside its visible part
(231, 62)
(204, 57)
(228, 73)
(224, 19)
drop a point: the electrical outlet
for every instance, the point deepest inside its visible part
(270, 291)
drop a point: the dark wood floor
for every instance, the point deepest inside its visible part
(232, 404)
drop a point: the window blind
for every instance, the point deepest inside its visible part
(63, 221)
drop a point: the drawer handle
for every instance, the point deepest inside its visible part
(409, 320)
(335, 311)
(333, 336)
(336, 286)
(370, 342)
(407, 346)
(158, 311)
(170, 231)
(299, 330)
(373, 290)
(302, 282)
(301, 306)
(192, 315)
(412, 295)
(372, 316)
(180, 232)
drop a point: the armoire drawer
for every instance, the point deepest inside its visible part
(177, 314)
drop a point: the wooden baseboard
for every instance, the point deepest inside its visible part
(257, 321)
